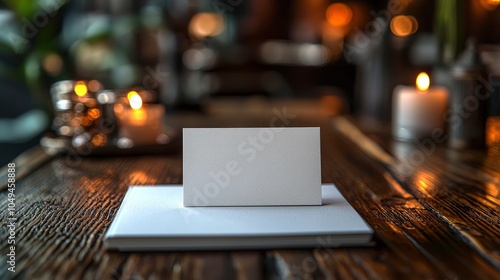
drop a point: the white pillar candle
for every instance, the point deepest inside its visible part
(419, 112)
(140, 123)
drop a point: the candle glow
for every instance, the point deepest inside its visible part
(80, 88)
(423, 82)
(135, 100)
(418, 110)
(141, 123)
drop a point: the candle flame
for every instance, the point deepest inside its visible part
(135, 100)
(80, 88)
(423, 81)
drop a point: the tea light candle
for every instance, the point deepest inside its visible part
(419, 112)
(141, 123)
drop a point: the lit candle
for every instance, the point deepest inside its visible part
(140, 123)
(419, 112)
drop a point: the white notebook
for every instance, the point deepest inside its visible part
(154, 218)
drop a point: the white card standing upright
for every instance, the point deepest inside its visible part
(251, 166)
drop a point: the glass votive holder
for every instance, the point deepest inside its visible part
(139, 123)
(76, 107)
(107, 100)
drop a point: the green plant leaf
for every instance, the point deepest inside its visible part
(23, 8)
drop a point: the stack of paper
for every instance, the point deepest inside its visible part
(154, 218)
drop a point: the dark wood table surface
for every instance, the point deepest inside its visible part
(435, 211)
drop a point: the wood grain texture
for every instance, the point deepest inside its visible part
(25, 163)
(449, 184)
(437, 220)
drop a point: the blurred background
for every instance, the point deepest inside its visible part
(190, 52)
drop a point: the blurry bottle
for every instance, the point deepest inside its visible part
(373, 86)
(468, 101)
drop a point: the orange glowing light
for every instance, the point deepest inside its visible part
(332, 33)
(94, 85)
(139, 177)
(426, 182)
(403, 26)
(75, 122)
(94, 113)
(86, 121)
(99, 140)
(492, 189)
(135, 100)
(80, 88)
(423, 82)
(338, 14)
(119, 108)
(90, 103)
(137, 117)
(206, 25)
(423, 184)
(493, 131)
(489, 5)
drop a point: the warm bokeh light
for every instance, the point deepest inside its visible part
(119, 108)
(423, 82)
(489, 5)
(99, 140)
(338, 14)
(75, 122)
(94, 85)
(139, 177)
(85, 121)
(492, 189)
(206, 25)
(426, 182)
(403, 26)
(493, 131)
(94, 113)
(90, 103)
(53, 64)
(138, 117)
(135, 100)
(80, 88)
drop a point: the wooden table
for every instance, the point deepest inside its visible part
(435, 211)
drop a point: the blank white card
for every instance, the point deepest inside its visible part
(251, 166)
